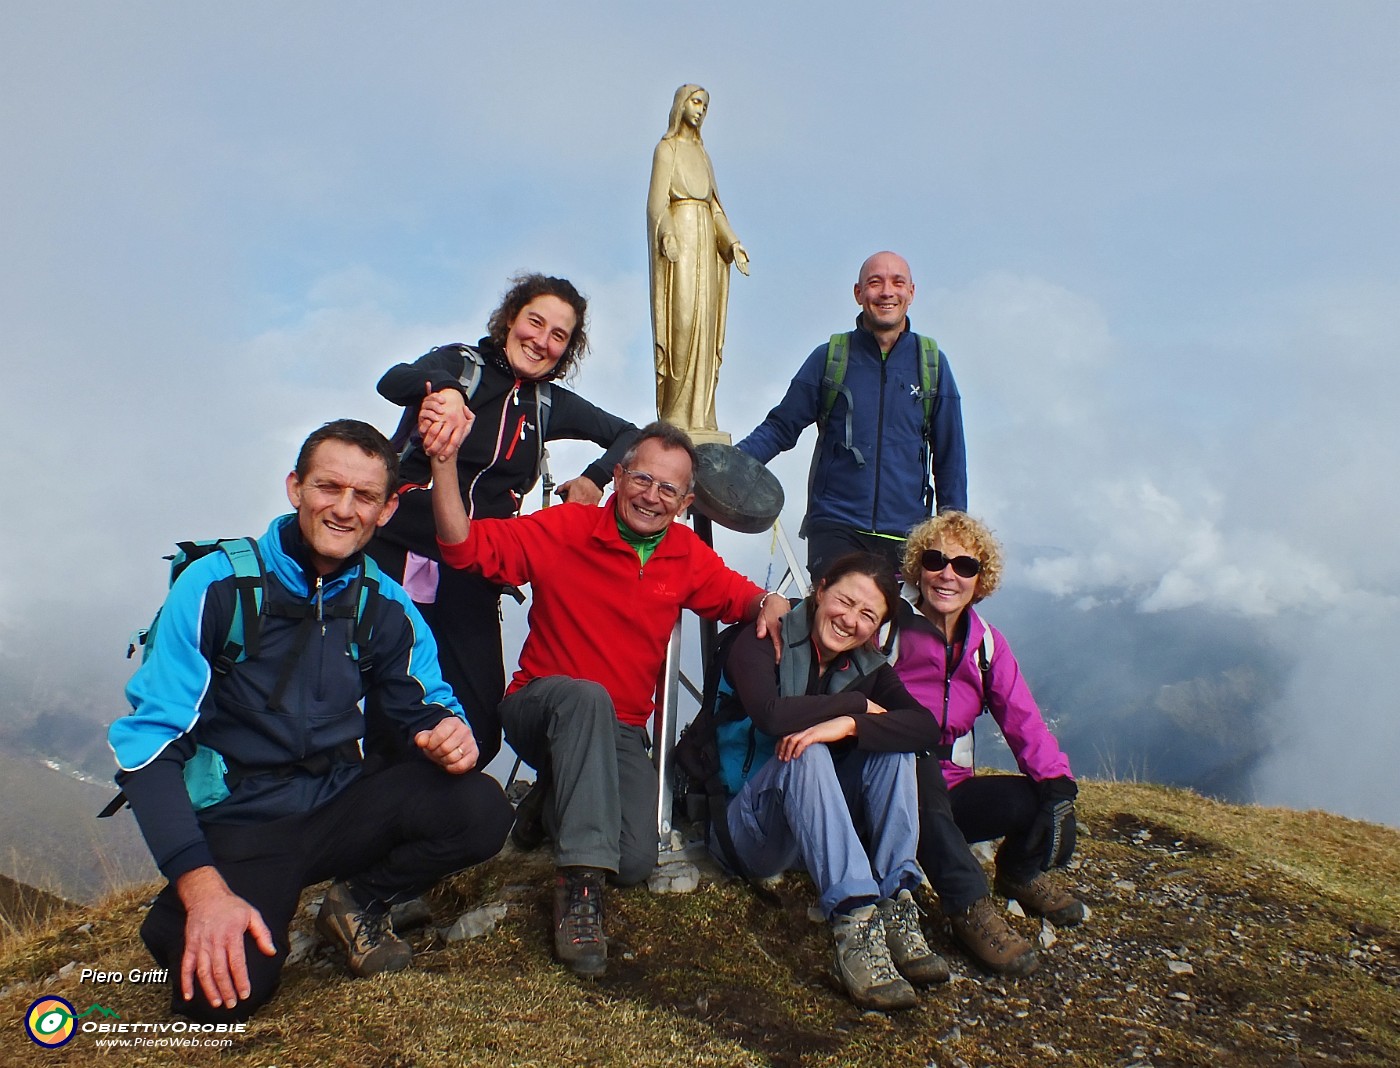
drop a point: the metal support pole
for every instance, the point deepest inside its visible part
(664, 741)
(796, 571)
(668, 706)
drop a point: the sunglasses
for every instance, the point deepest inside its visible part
(963, 566)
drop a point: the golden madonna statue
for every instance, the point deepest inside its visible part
(690, 246)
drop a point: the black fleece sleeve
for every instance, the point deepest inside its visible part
(576, 419)
(406, 383)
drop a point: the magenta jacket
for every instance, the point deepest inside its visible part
(919, 659)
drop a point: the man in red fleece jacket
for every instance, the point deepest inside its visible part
(607, 586)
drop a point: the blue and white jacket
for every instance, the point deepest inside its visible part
(886, 494)
(180, 705)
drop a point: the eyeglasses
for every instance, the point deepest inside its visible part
(963, 566)
(665, 490)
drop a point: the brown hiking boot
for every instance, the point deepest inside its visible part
(904, 935)
(578, 921)
(863, 962)
(1045, 895)
(366, 934)
(990, 940)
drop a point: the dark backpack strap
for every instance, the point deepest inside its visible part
(249, 586)
(293, 657)
(366, 601)
(113, 806)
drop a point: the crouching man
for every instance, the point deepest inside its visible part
(241, 757)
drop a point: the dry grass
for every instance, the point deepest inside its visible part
(1289, 921)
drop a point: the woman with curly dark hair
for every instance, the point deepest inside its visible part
(510, 379)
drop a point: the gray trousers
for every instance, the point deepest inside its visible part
(601, 807)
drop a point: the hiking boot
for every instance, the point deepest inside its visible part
(991, 941)
(1045, 895)
(366, 934)
(578, 921)
(528, 833)
(864, 965)
(904, 935)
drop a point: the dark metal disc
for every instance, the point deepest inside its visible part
(735, 490)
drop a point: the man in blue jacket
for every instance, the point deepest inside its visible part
(243, 765)
(888, 415)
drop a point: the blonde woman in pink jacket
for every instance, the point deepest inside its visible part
(958, 666)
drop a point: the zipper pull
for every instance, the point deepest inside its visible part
(319, 617)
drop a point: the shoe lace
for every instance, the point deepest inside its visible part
(374, 926)
(582, 918)
(988, 925)
(870, 944)
(904, 917)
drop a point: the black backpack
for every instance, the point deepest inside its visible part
(700, 791)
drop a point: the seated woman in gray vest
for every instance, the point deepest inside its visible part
(510, 380)
(818, 749)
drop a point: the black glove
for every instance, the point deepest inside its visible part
(1054, 825)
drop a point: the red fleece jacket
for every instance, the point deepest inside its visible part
(595, 612)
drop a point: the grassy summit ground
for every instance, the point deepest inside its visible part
(1220, 935)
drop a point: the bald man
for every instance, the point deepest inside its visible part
(889, 421)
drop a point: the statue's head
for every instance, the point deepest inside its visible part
(688, 108)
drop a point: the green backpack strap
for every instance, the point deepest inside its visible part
(928, 378)
(928, 392)
(838, 355)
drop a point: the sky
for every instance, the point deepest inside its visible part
(1156, 241)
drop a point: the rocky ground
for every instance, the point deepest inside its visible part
(1219, 935)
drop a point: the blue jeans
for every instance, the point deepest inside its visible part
(822, 809)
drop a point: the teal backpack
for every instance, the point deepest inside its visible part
(250, 581)
(207, 773)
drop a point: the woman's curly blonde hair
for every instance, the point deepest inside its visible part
(972, 534)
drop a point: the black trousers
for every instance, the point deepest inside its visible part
(1005, 807)
(396, 833)
(944, 854)
(826, 543)
(466, 624)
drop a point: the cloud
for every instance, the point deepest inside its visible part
(1172, 307)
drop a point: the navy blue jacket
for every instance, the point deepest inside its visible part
(180, 705)
(885, 495)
